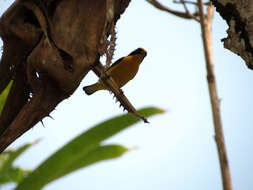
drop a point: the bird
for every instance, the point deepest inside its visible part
(122, 71)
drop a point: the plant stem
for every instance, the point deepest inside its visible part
(205, 21)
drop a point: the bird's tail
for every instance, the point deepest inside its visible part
(92, 88)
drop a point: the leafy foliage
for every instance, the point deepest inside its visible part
(9, 173)
(83, 151)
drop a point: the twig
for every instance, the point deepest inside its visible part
(111, 43)
(185, 7)
(108, 81)
(188, 2)
(111, 46)
(184, 15)
(205, 21)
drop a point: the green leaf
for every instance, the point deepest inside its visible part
(97, 154)
(83, 150)
(14, 175)
(39, 178)
(8, 173)
(12, 156)
(3, 96)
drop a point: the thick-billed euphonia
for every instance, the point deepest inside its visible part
(122, 71)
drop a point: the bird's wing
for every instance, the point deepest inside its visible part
(115, 63)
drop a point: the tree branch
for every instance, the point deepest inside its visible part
(42, 47)
(205, 21)
(184, 15)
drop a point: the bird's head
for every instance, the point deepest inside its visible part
(141, 51)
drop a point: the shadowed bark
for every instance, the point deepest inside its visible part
(239, 17)
(49, 47)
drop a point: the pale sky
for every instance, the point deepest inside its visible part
(177, 150)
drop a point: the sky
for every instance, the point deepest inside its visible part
(177, 150)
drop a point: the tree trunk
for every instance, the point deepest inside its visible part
(239, 17)
(49, 47)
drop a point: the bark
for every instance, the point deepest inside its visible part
(49, 47)
(239, 17)
(206, 23)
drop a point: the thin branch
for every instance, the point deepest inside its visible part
(185, 7)
(111, 47)
(184, 15)
(205, 21)
(111, 43)
(188, 2)
(108, 81)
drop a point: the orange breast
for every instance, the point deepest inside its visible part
(125, 70)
